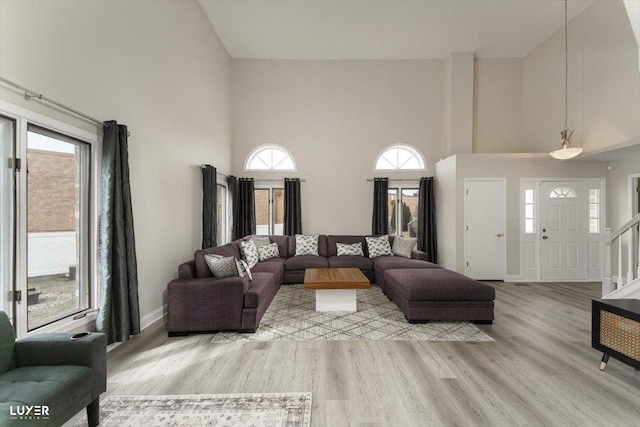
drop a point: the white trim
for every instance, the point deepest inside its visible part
(151, 318)
(504, 223)
(407, 147)
(511, 278)
(632, 194)
(261, 147)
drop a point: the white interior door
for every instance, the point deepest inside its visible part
(485, 229)
(563, 230)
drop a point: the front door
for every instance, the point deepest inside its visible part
(563, 230)
(485, 229)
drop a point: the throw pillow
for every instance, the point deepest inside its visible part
(260, 241)
(378, 246)
(243, 269)
(354, 249)
(221, 266)
(306, 245)
(268, 252)
(250, 253)
(403, 246)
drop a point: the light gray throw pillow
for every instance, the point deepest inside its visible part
(403, 246)
(221, 267)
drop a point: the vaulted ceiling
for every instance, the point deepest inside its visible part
(385, 29)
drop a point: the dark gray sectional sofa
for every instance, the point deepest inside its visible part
(198, 302)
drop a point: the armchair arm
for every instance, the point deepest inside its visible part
(59, 349)
(205, 304)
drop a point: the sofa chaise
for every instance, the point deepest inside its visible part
(199, 302)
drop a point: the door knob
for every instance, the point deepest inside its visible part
(499, 235)
(545, 237)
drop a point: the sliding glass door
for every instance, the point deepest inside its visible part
(269, 210)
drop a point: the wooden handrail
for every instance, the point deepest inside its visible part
(620, 231)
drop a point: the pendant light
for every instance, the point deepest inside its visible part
(566, 151)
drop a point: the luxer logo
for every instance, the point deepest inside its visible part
(27, 412)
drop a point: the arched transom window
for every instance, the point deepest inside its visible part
(400, 156)
(270, 157)
(562, 192)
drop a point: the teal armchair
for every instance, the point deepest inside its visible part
(46, 379)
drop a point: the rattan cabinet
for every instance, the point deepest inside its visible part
(615, 330)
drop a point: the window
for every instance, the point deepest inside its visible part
(594, 210)
(221, 220)
(48, 215)
(400, 156)
(270, 158)
(403, 211)
(529, 209)
(57, 226)
(562, 192)
(269, 210)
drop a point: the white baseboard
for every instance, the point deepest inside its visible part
(150, 318)
(513, 278)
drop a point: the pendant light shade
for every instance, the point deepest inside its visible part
(566, 151)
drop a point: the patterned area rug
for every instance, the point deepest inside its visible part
(292, 317)
(237, 410)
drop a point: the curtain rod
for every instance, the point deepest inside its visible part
(400, 180)
(202, 166)
(28, 94)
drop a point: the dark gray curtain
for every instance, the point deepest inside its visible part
(244, 208)
(427, 239)
(209, 207)
(380, 219)
(292, 207)
(118, 309)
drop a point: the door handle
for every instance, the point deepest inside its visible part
(499, 235)
(545, 237)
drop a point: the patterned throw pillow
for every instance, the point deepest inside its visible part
(354, 249)
(378, 246)
(268, 252)
(250, 253)
(306, 245)
(260, 241)
(243, 269)
(221, 266)
(403, 246)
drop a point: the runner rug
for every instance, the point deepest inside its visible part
(292, 317)
(233, 410)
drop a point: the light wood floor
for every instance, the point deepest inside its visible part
(540, 370)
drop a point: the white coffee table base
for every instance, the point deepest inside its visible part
(336, 300)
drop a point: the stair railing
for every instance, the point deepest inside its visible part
(629, 231)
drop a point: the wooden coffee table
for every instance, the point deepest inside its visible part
(335, 287)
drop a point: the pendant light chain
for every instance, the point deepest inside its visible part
(566, 68)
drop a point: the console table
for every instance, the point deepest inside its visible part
(615, 330)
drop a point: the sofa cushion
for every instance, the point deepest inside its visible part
(250, 252)
(349, 261)
(437, 284)
(378, 246)
(59, 387)
(260, 289)
(403, 246)
(384, 263)
(269, 251)
(222, 267)
(333, 240)
(353, 249)
(273, 265)
(307, 245)
(202, 270)
(322, 245)
(304, 262)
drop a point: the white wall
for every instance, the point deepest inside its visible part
(604, 83)
(335, 117)
(513, 167)
(497, 111)
(157, 67)
(445, 188)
